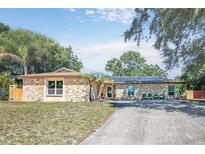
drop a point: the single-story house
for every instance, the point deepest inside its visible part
(68, 85)
(61, 85)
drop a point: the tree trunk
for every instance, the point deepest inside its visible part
(101, 89)
(25, 67)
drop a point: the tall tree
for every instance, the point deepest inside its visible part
(198, 79)
(22, 60)
(153, 70)
(131, 63)
(23, 51)
(20, 57)
(179, 35)
(4, 27)
(115, 66)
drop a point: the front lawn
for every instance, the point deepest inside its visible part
(50, 123)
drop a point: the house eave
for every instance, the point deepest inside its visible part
(32, 76)
(165, 82)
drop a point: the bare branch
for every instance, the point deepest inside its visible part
(12, 56)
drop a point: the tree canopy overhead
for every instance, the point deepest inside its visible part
(179, 34)
(131, 63)
(23, 51)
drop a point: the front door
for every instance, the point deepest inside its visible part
(109, 92)
(171, 90)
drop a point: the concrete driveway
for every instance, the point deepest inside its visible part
(152, 122)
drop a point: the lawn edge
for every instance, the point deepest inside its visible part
(98, 126)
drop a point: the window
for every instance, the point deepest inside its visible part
(171, 90)
(130, 90)
(55, 88)
(51, 87)
(59, 89)
(109, 92)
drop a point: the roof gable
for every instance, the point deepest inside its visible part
(63, 69)
(62, 72)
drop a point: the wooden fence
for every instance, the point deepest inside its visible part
(15, 93)
(196, 94)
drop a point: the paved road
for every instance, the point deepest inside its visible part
(152, 123)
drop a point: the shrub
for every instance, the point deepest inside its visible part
(5, 81)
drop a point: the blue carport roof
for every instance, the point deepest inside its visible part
(138, 79)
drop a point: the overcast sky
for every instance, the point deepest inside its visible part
(94, 34)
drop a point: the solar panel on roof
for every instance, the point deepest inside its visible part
(138, 79)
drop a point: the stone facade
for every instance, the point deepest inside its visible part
(76, 89)
(121, 92)
(33, 89)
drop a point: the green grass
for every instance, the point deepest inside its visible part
(50, 123)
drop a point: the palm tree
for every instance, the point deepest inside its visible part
(90, 78)
(99, 78)
(22, 57)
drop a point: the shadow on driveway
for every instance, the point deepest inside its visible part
(164, 105)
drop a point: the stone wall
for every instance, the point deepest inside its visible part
(76, 89)
(121, 90)
(33, 89)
